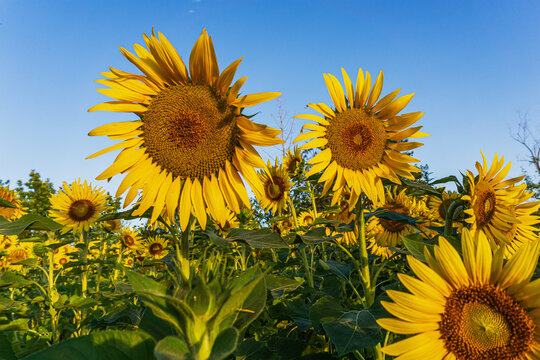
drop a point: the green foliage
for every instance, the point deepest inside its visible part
(35, 193)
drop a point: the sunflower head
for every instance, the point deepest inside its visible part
(10, 213)
(130, 238)
(18, 252)
(192, 143)
(77, 206)
(492, 200)
(384, 233)
(292, 159)
(62, 256)
(306, 218)
(156, 247)
(111, 226)
(470, 307)
(231, 222)
(362, 139)
(276, 186)
(439, 207)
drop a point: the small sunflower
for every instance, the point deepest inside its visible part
(306, 218)
(471, 308)
(111, 226)
(231, 222)
(491, 199)
(292, 159)
(6, 241)
(384, 233)
(156, 247)
(18, 252)
(10, 213)
(345, 215)
(362, 139)
(62, 255)
(192, 142)
(77, 206)
(438, 208)
(276, 187)
(283, 227)
(130, 238)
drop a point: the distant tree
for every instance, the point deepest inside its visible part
(525, 136)
(35, 193)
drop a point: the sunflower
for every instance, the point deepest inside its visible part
(231, 222)
(524, 230)
(10, 213)
(130, 238)
(276, 188)
(362, 139)
(292, 159)
(345, 215)
(62, 255)
(6, 241)
(439, 207)
(192, 142)
(111, 226)
(385, 233)
(470, 308)
(306, 218)
(18, 252)
(77, 206)
(491, 200)
(156, 247)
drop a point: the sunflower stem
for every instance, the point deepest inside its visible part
(84, 260)
(364, 262)
(449, 221)
(183, 258)
(303, 255)
(51, 290)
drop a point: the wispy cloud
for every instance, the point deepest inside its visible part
(191, 11)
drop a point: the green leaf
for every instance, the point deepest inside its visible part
(278, 285)
(343, 271)
(316, 236)
(6, 351)
(415, 244)
(15, 325)
(172, 348)
(28, 222)
(31, 262)
(354, 330)
(225, 344)
(7, 204)
(157, 327)
(259, 239)
(105, 345)
(251, 349)
(422, 189)
(298, 310)
(11, 279)
(402, 218)
(325, 309)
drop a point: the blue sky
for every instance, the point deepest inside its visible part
(474, 65)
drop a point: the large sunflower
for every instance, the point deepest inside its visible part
(491, 200)
(191, 143)
(10, 213)
(276, 187)
(362, 139)
(77, 206)
(475, 308)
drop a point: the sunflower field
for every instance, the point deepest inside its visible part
(342, 249)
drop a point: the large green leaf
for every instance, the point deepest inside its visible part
(402, 218)
(28, 222)
(415, 244)
(225, 344)
(13, 280)
(316, 236)
(354, 330)
(105, 345)
(5, 203)
(259, 239)
(172, 348)
(343, 271)
(325, 309)
(278, 285)
(6, 351)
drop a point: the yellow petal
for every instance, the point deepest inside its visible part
(185, 204)
(197, 200)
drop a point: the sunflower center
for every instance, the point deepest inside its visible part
(155, 249)
(81, 210)
(485, 323)
(128, 240)
(357, 139)
(62, 261)
(393, 226)
(485, 205)
(190, 130)
(275, 189)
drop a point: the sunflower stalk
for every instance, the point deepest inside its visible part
(364, 262)
(183, 255)
(84, 259)
(303, 255)
(51, 291)
(453, 209)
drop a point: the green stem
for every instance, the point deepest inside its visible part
(452, 209)
(183, 255)
(303, 255)
(84, 260)
(364, 262)
(52, 310)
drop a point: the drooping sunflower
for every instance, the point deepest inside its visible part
(130, 238)
(361, 139)
(18, 252)
(156, 247)
(10, 213)
(77, 206)
(292, 159)
(192, 142)
(306, 218)
(344, 215)
(491, 199)
(385, 233)
(231, 222)
(439, 207)
(471, 308)
(276, 187)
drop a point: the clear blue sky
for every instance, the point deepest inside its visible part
(472, 64)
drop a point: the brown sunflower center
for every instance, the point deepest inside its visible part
(393, 226)
(129, 240)
(308, 219)
(81, 210)
(357, 139)
(484, 207)
(485, 323)
(275, 188)
(190, 130)
(155, 249)
(62, 261)
(111, 225)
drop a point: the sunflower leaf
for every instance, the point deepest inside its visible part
(5, 203)
(28, 222)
